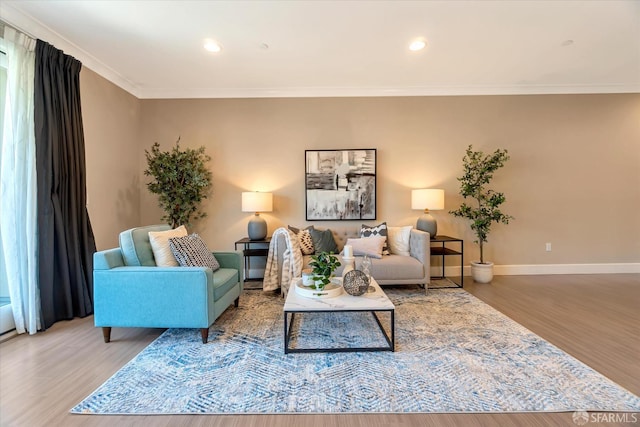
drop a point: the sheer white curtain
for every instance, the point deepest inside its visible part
(18, 226)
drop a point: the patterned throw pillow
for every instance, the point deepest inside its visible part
(376, 230)
(306, 242)
(191, 251)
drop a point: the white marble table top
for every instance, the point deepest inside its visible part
(369, 301)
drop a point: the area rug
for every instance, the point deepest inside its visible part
(454, 353)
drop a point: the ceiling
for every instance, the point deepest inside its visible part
(154, 49)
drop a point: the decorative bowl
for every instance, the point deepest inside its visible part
(355, 283)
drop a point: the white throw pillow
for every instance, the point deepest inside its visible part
(398, 239)
(371, 246)
(160, 246)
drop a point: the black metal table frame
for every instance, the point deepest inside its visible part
(443, 251)
(247, 253)
(289, 322)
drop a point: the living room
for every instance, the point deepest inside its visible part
(573, 159)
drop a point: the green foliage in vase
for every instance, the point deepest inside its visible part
(181, 180)
(323, 265)
(485, 210)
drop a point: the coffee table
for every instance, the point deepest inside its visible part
(372, 302)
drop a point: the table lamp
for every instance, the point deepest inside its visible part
(254, 201)
(427, 199)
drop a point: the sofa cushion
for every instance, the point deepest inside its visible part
(398, 240)
(323, 241)
(135, 246)
(224, 279)
(191, 251)
(394, 267)
(371, 246)
(389, 268)
(160, 246)
(376, 230)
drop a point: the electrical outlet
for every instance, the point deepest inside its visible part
(548, 247)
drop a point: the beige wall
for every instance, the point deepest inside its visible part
(573, 179)
(111, 119)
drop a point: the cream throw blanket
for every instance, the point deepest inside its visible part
(291, 263)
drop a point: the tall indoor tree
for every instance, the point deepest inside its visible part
(484, 208)
(181, 180)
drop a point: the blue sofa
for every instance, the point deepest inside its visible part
(131, 291)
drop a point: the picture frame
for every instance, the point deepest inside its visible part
(340, 185)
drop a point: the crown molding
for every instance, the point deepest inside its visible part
(322, 92)
(37, 30)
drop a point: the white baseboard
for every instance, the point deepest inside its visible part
(537, 269)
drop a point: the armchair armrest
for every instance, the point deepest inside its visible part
(107, 259)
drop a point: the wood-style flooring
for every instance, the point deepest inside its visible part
(595, 318)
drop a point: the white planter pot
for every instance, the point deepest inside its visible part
(482, 273)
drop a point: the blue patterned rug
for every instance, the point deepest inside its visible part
(454, 353)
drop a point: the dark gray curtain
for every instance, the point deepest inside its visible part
(65, 238)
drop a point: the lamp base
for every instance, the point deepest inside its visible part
(428, 223)
(257, 228)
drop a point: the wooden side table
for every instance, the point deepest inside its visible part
(442, 250)
(248, 251)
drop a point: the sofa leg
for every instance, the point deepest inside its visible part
(205, 335)
(237, 302)
(106, 334)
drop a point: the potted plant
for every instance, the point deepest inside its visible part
(181, 180)
(323, 265)
(485, 209)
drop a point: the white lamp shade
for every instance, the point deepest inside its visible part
(427, 198)
(254, 201)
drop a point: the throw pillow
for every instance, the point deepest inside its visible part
(160, 246)
(191, 251)
(323, 241)
(371, 246)
(297, 230)
(306, 242)
(376, 230)
(398, 240)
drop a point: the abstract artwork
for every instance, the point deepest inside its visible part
(340, 184)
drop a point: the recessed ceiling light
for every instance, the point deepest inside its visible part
(212, 45)
(417, 44)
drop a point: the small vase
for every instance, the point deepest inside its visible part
(348, 264)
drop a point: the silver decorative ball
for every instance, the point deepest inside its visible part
(355, 283)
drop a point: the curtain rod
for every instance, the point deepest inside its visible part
(4, 24)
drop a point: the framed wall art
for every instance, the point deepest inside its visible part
(340, 184)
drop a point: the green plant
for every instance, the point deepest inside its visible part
(478, 173)
(181, 180)
(323, 264)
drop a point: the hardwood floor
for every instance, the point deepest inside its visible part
(595, 318)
